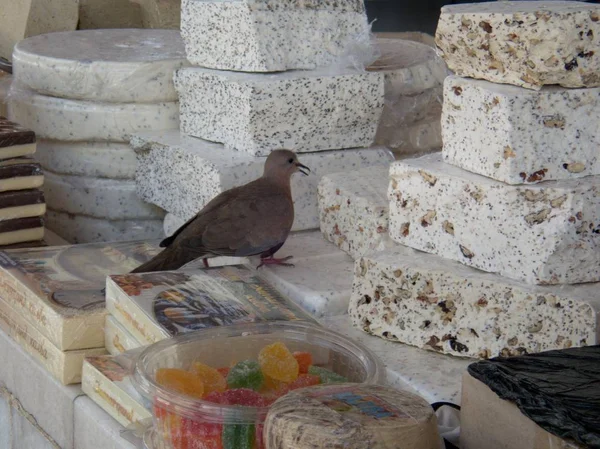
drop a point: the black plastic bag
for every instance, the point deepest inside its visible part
(558, 390)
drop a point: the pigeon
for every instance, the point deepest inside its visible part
(249, 220)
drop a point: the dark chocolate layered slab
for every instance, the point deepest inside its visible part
(20, 169)
(19, 224)
(12, 134)
(18, 198)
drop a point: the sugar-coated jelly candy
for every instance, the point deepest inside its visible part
(201, 435)
(274, 389)
(237, 396)
(239, 436)
(326, 376)
(212, 379)
(277, 362)
(245, 374)
(224, 371)
(180, 381)
(305, 380)
(304, 360)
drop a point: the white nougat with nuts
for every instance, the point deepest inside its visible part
(521, 136)
(353, 209)
(528, 44)
(546, 233)
(405, 295)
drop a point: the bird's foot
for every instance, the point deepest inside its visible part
(273, 261)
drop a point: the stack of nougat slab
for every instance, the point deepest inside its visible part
(84, 93)
(494, 246)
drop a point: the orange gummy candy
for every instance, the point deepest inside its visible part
(305, 380)
(304, 361)
(212, 379)
(277, 362)
(180, 381)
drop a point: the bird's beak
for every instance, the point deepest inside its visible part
(303, 169)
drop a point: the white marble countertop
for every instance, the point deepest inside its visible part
(436, 377)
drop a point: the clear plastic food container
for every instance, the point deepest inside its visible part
(183, 422)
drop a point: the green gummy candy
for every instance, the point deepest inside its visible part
(246, 374)
(326, 376)
(238, 436)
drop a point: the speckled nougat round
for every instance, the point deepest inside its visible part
(529, 44)
(83, 121)
(114, 65)
(351, 416)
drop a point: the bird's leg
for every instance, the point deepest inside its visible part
(205, 262)
(268, 259)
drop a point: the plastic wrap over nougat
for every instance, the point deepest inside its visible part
(306, 111)
(84, 229)
(109, 65)
(546, 233)
(182, 174)
(95, 159)
(413, 75)
(521, 136)
(438, 304)
(58, 290)
(74, 120)
(351, 416)
(527, 44)
(97, 197)
(268, 35)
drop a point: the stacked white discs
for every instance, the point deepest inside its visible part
(84, 93)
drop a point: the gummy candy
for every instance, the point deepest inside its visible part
(274, 389)
(212, 379)
(304, 360)
(278, 363)
(239, 436)
(200, 435)
(326, 376)
(180, 381)
(246, 374)
(237, 396)
(224, 371)
(305, 380)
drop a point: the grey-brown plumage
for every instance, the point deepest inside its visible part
(249, 220)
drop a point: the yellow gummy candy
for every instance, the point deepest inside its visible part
(212, 379)
(278, 363)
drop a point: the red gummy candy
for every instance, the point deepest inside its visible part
(201, 435)
(260, 444)
(304, 360)
(305, 380)
(237, 396)
(224, 371)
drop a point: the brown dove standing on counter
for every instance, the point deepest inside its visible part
(252, 219)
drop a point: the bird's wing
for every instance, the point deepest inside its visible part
(223, 197)
(251, 221)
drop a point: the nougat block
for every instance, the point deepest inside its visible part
(528, 44)
(518, 135)
(546, 233)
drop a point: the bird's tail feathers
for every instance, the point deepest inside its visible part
(165, 261)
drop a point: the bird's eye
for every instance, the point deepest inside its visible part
(291, 160)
